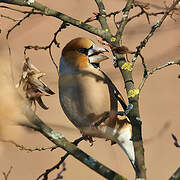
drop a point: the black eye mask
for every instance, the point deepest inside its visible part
(84, 50)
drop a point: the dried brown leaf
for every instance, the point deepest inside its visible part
(33, 86)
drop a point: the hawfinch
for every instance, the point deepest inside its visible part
(87, 94)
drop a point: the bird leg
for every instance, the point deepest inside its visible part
(128, 109)
(99, 122)
(88, 138)
(126, 112)
(93, 129)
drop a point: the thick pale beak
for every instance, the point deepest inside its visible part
(95, 54)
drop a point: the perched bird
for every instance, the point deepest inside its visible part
(87, 95)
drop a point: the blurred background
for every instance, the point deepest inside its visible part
(159, 100)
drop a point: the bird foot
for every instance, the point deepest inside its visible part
(88, 138)
(128, 109)
(126, 112)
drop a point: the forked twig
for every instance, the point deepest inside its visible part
(6, 175)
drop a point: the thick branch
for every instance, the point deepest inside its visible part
(50, 12)
(134, 117)
(134, 114)
(72, 149)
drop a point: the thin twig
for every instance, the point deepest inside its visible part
(64, 25)
(114, 13)
(125, 15)
(114, 16)
(19, 22)
(63, 158)
(23, 148)
(49, 46)
(175, 141)
(20, 11)
(8, 17)
(170, 63)
(152, 71)
(153, 29)
(59, 175)
(144, 7)
(147, 15)
(46, 173)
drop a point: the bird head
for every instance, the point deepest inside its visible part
(81, 52)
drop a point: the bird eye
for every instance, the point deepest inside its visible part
(83, 51)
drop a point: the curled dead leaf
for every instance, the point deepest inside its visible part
(32, 85)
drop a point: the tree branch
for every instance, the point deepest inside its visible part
(72, 149)
(102, 15)
(8, 17)
(6, 175)
(153, 29)
(176, 175)
(124, 20)
(49, 46)
(23, 148)
(20, 11)
(50, 12)
(175, 140)
(19, 22)
(63, 158)
(152, 71)
(134, 117)
(134, 114)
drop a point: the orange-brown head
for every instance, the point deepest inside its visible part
(80, 52)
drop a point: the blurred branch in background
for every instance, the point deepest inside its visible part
(6, 175)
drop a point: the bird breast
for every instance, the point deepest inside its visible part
(84, 96)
